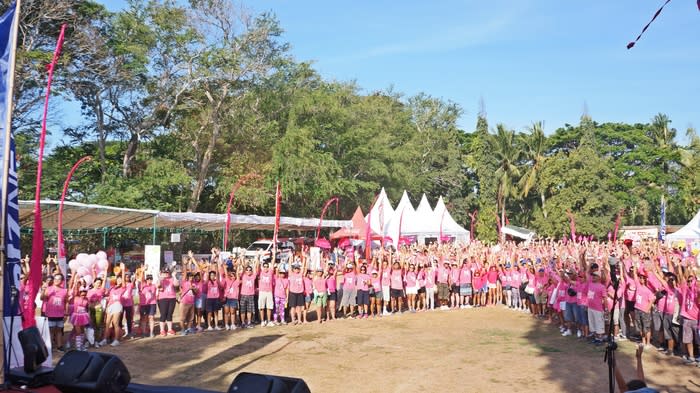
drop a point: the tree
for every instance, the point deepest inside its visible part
(507, 154)
(535, 145)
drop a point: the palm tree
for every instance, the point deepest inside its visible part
(535, 147)
(507, 153)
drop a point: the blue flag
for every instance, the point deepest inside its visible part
(11, 209)
(662, 227)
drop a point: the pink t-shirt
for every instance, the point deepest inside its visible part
(363, 280)
(281, 285)
(581, 293)
(187, 295)
(396, 279)
(540, 281)
(148, 294)
(55, 301)
(349, 281)
(213, 289)
(596, 295)
(386, 277)
(115, 295)
(430, 278)
(667, 304)
(465, 275)
(320, 285)
(410, 279)
(308, 286)
(168, 289)
(80, 305)
(376, 283)
(443, 275)
(643, 297)
(265, 280)
(232, 288)
(128, 296)
(689, 302)
(331, 284)
(492, 275)
(95, 295)
(454, 276)
(296, 283)
(247, 284)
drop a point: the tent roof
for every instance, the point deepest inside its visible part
(357, 230)
(423, 221)
(381, 213)
(402, 216)
(85, 216)
(449, 225)
(520, 233)
(690, 230)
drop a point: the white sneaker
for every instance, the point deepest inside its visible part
(578, 334)
(103, 342)
(263, 323)
(210, 329)
(234, 327)
(115, 343)
(566, 333)
(385, 312)
(218, 328)
(468, 306)
(271, 324)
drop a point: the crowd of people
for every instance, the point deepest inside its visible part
(649, 291)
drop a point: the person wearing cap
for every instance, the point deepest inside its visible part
(362, 284)
(375, 293)
(667, 306)
(320, 289)
(296, 292)
(644, 299)
(443, 284)
(540, 280)
(690, 313)
(507, 282)
(232, 293)
(247, 302)
(597, 306)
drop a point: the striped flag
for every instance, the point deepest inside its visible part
(9, 185)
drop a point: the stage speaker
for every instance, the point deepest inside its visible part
(91, 372)
(261, 383)
(35, 353)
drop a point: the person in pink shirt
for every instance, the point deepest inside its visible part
(349, 297)
(362, 284)
(281, 292)
(396, 287)
(411, 283)
(147, 308)
(56, 299)
(420, 300)
(320, 289)
(454, 285)
(386, 285)
(247, 302)
(114, 309)
(128, 304)
(265, 298)
(188, 292)
(644, 298)
(491, 279)
(375, 294)
(95, 296)
(332, 285)
(214, 291)
(232, 292)
(308, 294)
(690, 312)
(79, 317)
(296, 293)
(597, 305)
(443, 284)
(166, 301)
(540, 281)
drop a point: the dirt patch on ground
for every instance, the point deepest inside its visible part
(475, 350)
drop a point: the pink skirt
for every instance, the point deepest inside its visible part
(80, 319)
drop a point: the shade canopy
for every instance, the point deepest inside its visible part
(690, 231)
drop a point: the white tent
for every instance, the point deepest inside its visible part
(448, 225)
(423, 224)
(403, 215)
(518, 232)
(691, 231)
(381, 214)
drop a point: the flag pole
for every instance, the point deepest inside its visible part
(5, 175)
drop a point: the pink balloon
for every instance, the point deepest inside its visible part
(83, 271)
(102, 265)
(73, 265)
(92, 259)
(81, 257)
(88, 279)
(101, 255)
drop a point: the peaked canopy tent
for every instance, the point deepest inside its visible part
(518, 232)
(381, 214)
(690, 231)
(448, 226)
(423, 223)
(79, 216)
(403, 214)
(357, 228)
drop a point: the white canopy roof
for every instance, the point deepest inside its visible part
(518, 232)
(690, 231)
(423, 221)
(84, 216)
(449, 225)
(381, 214)
(403, 214)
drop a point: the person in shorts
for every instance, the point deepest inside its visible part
(349, 297)
(443, 287)
(265, 298)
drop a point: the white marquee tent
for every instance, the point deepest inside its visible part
(381, 214)
(403, 214)
(448, 225)
(691, 231)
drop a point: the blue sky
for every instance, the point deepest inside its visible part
(530, 60)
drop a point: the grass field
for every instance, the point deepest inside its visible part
(476, 350)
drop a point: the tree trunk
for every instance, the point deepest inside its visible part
(101, 137)
(130, 154)
(203, 169)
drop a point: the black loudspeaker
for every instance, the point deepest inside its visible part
(261, 383)
(91, 372)
(35, 353)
